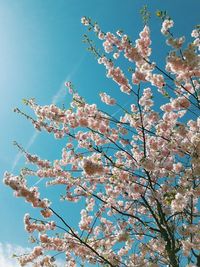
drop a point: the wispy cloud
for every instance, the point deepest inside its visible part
(19, 154)
(60, 94)
(120, 109)
(6, 255)
(6, 252)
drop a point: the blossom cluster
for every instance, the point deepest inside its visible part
(137, 173)
(18, 184)
(37, 252)
(40, 227)
(107, 99)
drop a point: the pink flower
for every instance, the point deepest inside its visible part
(46, 213)
(167, 107)
(180, 103)
(166, 25)
(116, 55)
(107, 99)
(85, 21)
(195, 33)
(101, 35)
(178, 167)
(37, 251)
(148, 164)
(92, 168)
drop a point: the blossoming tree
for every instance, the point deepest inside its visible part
(137, 173)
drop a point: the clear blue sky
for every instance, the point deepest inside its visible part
(41, 47)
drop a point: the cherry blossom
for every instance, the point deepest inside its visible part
(135, 172)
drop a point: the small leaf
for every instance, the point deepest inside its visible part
(158, 13)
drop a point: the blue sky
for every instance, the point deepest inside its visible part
(41, 47)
